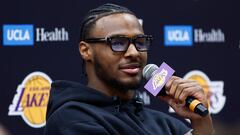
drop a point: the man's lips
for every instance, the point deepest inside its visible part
(132, 68)
(132, 71)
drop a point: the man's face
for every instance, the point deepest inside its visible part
(118, 70)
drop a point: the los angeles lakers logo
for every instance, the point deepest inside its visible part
(213, 90)
(159, 79)
(30, 101)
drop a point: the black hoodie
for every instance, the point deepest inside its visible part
(74, 109)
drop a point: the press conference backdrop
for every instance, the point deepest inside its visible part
(200, 39)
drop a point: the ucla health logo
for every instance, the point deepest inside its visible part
(18, 35)
(180, 35)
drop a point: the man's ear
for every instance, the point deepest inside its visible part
(85, 51)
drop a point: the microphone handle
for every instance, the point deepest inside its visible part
(196, 106)
(192, 103)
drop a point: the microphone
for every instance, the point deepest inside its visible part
(157, 77)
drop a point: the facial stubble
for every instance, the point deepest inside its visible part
(112, 80)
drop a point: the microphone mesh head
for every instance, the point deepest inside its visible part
(148, 71)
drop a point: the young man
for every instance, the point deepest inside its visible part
(114, 48)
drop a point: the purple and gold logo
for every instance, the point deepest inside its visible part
(159, 79)
(30, 101)
(214, 90)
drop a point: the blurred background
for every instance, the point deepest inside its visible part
(200, 39)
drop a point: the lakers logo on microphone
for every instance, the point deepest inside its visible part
(160, 76)
(30, 101)
(159, 79)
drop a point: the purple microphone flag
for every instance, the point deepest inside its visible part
(159, 79)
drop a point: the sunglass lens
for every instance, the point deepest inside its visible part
(142, 43)
(119, 44)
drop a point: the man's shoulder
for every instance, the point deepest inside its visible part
(70, 115)
(73, 110)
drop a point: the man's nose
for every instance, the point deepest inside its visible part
(132, 51)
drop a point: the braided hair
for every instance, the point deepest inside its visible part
(97, 13)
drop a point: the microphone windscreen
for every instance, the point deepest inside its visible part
(148, 71)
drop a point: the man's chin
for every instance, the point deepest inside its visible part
(130, 85)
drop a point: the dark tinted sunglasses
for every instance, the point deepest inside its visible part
(120, 43)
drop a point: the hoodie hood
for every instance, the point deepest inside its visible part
(65, 91)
